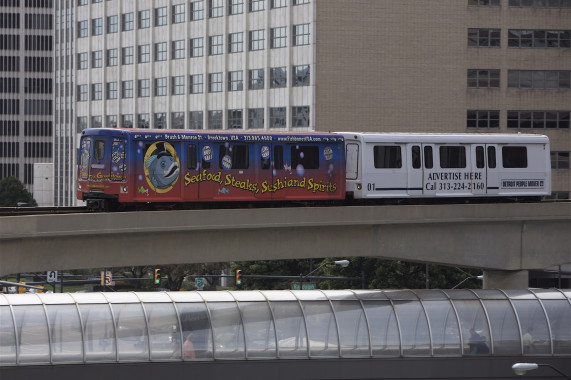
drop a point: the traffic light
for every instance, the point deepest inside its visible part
(238, 277)
(157, 276)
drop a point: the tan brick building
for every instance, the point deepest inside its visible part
(443, 66)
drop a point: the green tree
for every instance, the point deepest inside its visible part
(12, 192)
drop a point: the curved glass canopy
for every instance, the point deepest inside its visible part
(238, 325)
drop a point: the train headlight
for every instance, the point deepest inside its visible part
(359, 187)
(124, 189)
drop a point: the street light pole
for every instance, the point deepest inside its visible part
(521, 369)
(342, 263)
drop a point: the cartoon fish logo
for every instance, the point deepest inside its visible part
(223, 191)
(162, 167)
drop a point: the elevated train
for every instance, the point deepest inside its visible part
(137, 168)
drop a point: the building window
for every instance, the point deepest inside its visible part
(161, 16)
(301, 34)
(235, 42)
(144, 88)
(215, 82)
(82, 29)
(300, 116)
(178, 13)
(216, 45)
(81, 2)
(160, 121)
(257, 5)
(215, 119)
(127, 121)
(235, 7)
(197, 10)
(195, 120)
(538, 119)
(112, 24)
(540, 3)
(97, 59)
(112, 57)
(277, 117)
(299, 2)
(484, 37)
(196, 84)
(144, 53)
(177, 120)
(559, 195)
(235, 82)
(81, 93)
(560, 160)
(278, 3)
(111, 121)
(127, 89)
(178, 49)
(143, 120)
(278, 37)
(235, 119)
(97, 91)
(127, 55)
(145, 19)
(256, 79)
(215, 8)
(82, 61)
(256, 41)
(81, 123)
(161, 86)
(255, 118)
(97, 27)
(111, 92)
(161, 51)
(542, 79)
(301, 75)
(483, 3)
(128, 20)
(521, 38)
(278, 77)
(96, 122)
(483, 119)
(196, 47)
(177, 85)
(483, 78)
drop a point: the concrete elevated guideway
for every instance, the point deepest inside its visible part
(505, 239)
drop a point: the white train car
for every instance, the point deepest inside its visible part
(407, 165)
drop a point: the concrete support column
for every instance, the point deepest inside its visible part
(503, 279)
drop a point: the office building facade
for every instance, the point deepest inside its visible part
(26, 86)
(482, 66)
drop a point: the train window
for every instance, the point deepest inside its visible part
(265, 157)
(278, 157)
(428, 164)
(416, 157)
(306, 156)
(492, 157)
(234, 157)
(99, 149)
(514, 157)
(191, 161)
(480, 160)
(387, 157)
(452, 157)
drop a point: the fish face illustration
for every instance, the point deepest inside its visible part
(163, 171)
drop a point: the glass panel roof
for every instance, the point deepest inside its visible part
(239, 325)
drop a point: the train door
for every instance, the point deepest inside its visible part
(414, 170)
(492, 169)
(264, 172)
(190, 172)
(429, 183)
(477, 176)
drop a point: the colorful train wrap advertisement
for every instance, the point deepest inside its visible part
(202, 167)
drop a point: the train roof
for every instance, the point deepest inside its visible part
(497, 138)
(224, 132)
